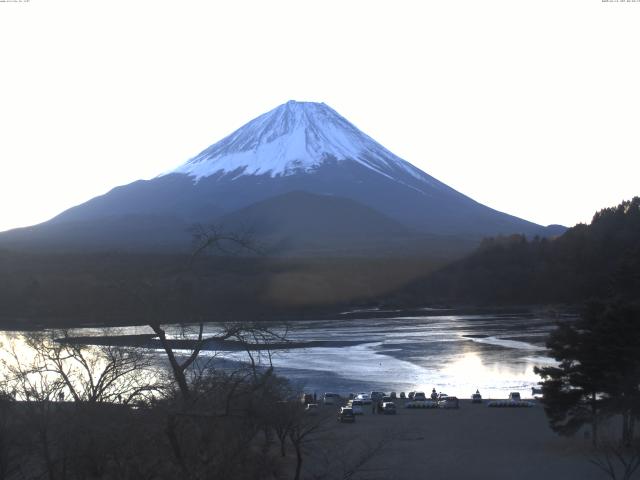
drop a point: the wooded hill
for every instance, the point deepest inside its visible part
(599, 260)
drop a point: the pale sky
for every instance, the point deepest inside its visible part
(530, 107)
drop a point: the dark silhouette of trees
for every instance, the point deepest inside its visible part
(600, 260)
(618, 462)
(93, 374)
(598, 375)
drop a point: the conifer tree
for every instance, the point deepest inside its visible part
(598, 372)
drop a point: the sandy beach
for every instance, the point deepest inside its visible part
(472, 442)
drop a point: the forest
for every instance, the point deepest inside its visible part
(596, 261)
(116, 288)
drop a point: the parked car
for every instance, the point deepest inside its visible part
(376, 396)
(346, 415)
(331, 398)
(449, 402)
(389, 408)
(358, 407)
(419, 396)
(311, 408)
(421, 404)
(364, 398)
(514, 400)
(442, 396)
(393, 395)
(386, 398)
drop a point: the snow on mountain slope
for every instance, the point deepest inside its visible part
(298, 137)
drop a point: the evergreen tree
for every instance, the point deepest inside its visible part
(598, 374)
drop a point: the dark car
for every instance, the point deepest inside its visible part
(515, 397)
(376, 396)
(346, 415)
(389, 408)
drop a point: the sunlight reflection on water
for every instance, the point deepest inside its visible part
(454, 354)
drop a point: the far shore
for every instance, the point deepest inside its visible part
(314, 313)
(151, 341)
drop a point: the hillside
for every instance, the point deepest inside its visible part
(599, 260)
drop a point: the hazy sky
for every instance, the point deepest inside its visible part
(530, 107)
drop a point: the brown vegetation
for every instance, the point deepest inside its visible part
(40, 290)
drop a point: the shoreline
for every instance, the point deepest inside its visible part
(151, 341)
(338, 313)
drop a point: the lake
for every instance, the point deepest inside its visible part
(455, 354)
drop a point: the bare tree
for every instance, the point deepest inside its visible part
(305, 426)
(283, 420)
(617, 460)
(26, 379)
(178, 368)
(217, 411)
(47, 368)
(94, 373)
(9, 463)
(214, 239)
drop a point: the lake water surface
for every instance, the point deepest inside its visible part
(455, 354)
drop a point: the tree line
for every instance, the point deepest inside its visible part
(599, 260)
(596, 383)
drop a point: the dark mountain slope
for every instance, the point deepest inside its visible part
(301, 221)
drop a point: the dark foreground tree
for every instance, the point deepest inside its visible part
(618, 462)
(598, 374)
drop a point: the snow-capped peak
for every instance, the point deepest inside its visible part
(295, 137)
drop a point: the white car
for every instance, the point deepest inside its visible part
(364, 398)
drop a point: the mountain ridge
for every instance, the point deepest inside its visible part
(296, 147)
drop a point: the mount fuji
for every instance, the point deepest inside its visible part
(300, 177)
